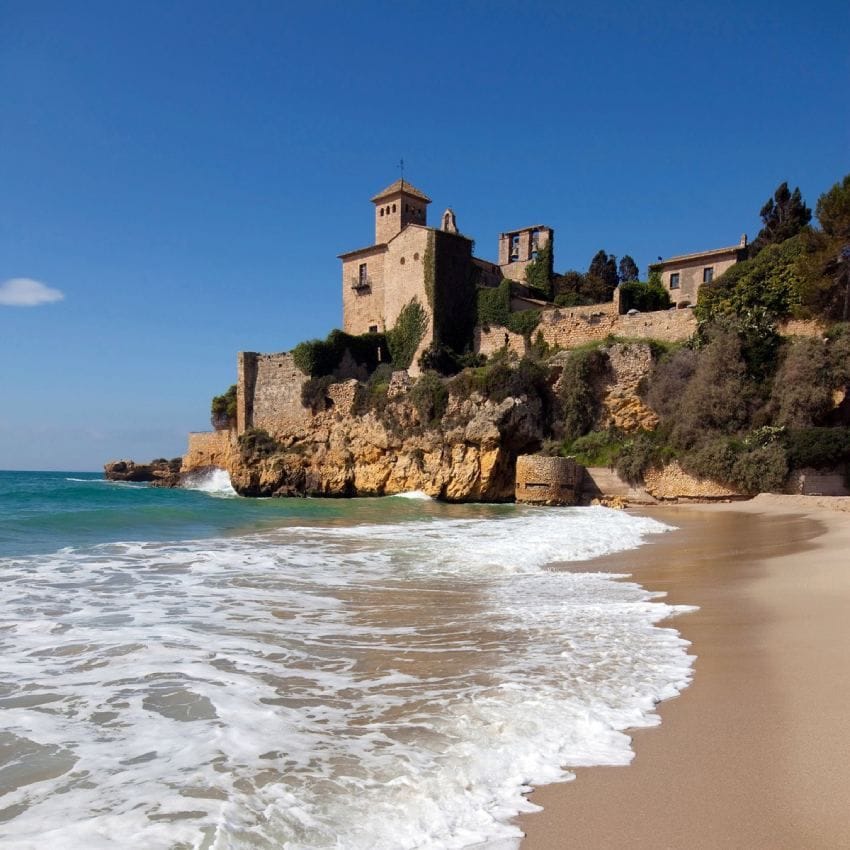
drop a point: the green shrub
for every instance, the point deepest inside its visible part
(523, 322)
(598, 448)
(317, 357)
(645, 297)
(821, 448)
(639, 454)
(371, 395)
(762, 469)
(499, 379)
(578, 396)
(714, 459)
(573, 299)
(408, 332)
(256, 443)
(718, 397)
(223, 410)
(768, 282)
(446, 361)
(429, 396)
(802, 391)
(750, 469)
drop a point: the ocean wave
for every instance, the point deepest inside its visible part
(364, 686)
(215, 482)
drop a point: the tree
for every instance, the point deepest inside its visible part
(833, 210)
(223, 410)
(570, 289)
(628, 269)
(602, 276)
(824, 267)
(784, 215)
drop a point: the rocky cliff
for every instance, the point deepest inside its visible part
(460, 445)
(468, 454)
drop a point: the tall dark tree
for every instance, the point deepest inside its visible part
(602, 275)
(784, 215)
(628, 269)
(833, 210)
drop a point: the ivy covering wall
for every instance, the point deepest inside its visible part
(407, 334)
(494, 308)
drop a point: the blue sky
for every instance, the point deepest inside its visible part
(186, 173)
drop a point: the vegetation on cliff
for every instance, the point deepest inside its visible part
(223, 410)
(737, 403)
(320, 357)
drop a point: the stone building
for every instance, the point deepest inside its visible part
(519, 248)
(683, 275)
(435, 266)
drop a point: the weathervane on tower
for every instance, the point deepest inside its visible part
(401, 168)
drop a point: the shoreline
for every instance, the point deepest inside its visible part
(754, 753)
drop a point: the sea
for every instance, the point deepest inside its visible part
(190, 669)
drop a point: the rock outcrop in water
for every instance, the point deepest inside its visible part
(157, 473)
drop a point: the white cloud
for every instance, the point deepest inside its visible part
(23, 292)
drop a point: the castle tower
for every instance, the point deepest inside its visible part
(397, 206)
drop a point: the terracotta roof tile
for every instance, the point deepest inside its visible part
(402, 186)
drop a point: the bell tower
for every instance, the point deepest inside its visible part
(397, 206)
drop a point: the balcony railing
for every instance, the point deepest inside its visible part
(360, 284)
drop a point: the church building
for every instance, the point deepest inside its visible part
(435, 266)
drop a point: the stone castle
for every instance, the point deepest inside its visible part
(434, 266)
(411, 261)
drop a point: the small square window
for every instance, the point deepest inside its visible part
(674, 280)
(373, 329)
(708, 274)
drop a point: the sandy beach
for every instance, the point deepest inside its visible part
(756, 752)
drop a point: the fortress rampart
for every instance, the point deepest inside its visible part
(268, 392)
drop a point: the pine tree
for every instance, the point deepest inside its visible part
(602, 275)
(784, 215)
(628, 269)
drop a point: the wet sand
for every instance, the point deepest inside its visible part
(756, 752)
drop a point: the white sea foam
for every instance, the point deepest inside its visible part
(216, 482)
(413, 494)
(384, 687)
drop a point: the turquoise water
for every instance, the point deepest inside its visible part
(189, 669)
(46, 511)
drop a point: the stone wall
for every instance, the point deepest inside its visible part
(672, 483)
(569, 327)
(363, 306)
(342, 396)
(816, 482)
(268, 392)
(802, 327)
(208, 448)
(492, 339)
(542, 480)
(601, 482)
